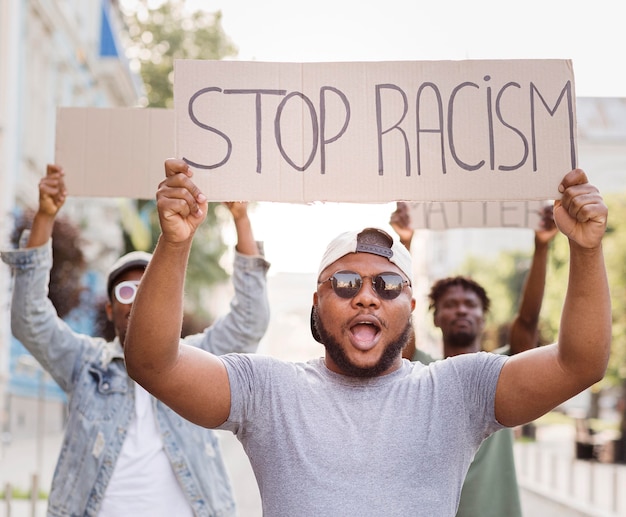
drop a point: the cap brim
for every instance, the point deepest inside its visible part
(133, 264)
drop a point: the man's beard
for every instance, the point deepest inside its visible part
(460, 339)
(339, 357)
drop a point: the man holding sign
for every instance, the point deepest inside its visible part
(328, 437)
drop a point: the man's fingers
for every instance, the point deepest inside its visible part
(181, 187)
(181, 179)
(53, 184)
(180, 203)
(574, 177)
(175, 206)
(54, 176)
(175, 166)
(53, 169)
(182, 196)
(581, 213)
(579, 200)
(237, 208)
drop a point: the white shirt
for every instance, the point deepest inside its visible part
(143, 482)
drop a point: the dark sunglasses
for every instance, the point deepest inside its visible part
(125, 291)
(347, 284)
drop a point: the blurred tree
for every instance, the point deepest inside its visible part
(159, 34)
(615, 251)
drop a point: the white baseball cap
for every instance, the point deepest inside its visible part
(132, 260)
(357, 242)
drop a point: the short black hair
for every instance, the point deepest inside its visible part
(439, 288)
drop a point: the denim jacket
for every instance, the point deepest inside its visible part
(101, 394)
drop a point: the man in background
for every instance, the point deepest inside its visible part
(124, 453)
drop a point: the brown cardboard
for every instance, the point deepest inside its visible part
(505, 130)
(344, 132)
(476, 214)
(114, 152)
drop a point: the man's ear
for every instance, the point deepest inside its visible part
(108, 308)
(436, 319)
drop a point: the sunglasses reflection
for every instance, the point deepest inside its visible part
(346, 284)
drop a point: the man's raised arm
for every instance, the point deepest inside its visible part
(191, 381)
(534, 382)
(524, 332)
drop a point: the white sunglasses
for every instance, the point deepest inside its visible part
(125, 291)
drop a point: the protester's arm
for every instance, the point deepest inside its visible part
(523, 334)
(400, 221)
(189, 380)
(34, 320)
(246, 245)
(536, 381)
(52, 195)
(245, 324)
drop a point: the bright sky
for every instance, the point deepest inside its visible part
(589, 33)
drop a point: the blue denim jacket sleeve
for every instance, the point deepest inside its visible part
(241, 329)
(102, 401)
(34, 321)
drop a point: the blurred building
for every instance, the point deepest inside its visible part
(52, 53)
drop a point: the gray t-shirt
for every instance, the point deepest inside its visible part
(323, 444)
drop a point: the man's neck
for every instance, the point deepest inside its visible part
(450, 350)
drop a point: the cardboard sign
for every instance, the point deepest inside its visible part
(370, 132)
(376, 132)
(477, 214)
(114, 152)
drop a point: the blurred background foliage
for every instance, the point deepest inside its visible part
(157, 36)
(503, 278)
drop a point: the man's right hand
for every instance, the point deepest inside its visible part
(181, 205)
(52, 192)
(580, 214)
(52, 195)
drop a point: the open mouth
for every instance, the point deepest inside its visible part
(364, 334)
